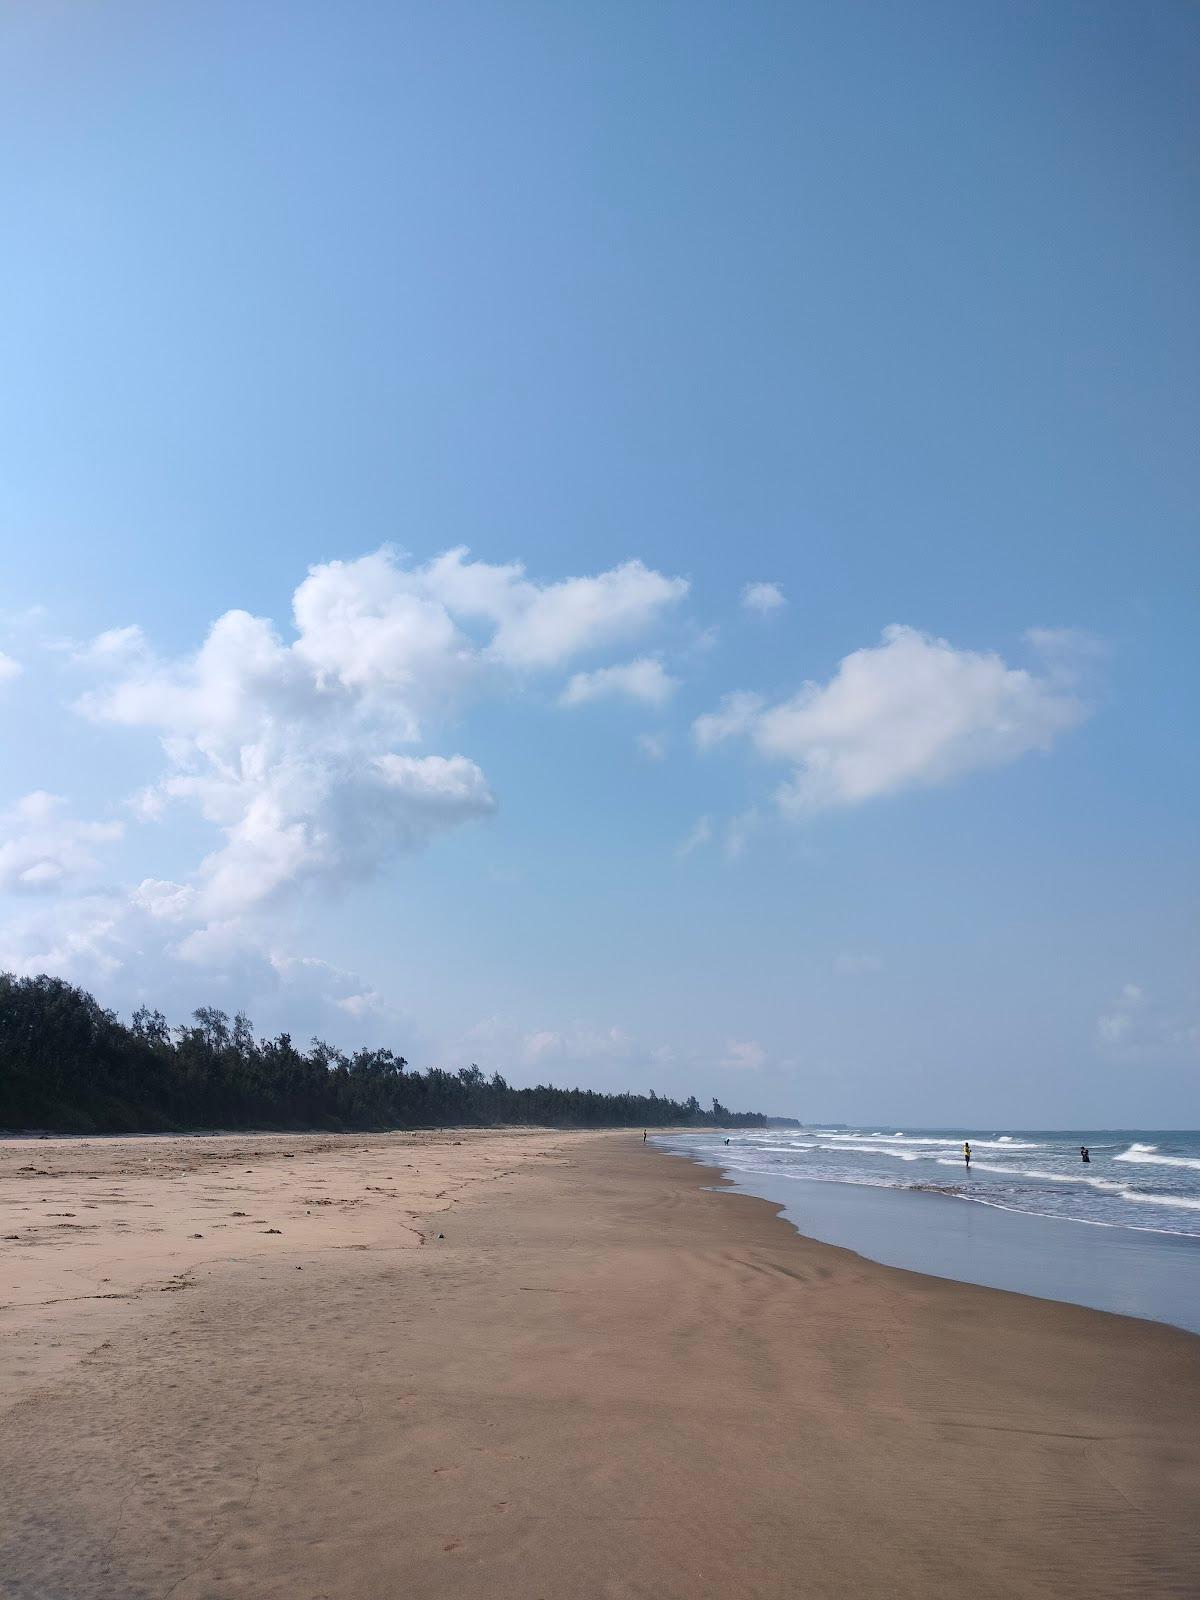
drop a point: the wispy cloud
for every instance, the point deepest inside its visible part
(1138, 1026)
(701, 834)
(737, 833)
(743, 1055)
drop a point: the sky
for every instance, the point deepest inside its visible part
(637, 545)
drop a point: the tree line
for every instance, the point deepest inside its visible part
(67, 1063)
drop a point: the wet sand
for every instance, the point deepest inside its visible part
(603, 1379)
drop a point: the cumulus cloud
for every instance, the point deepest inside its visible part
(43, 849)
(763, 598)
(306, 751)
(547, 626)
(642, 680)
(910, 712)
(289, 747)
(544, 625)
(9, 668)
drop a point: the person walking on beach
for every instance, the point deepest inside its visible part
(967, 1153)
(643, 1135)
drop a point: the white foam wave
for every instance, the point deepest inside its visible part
(873, 1150)
(1037, 1175)
(1105, 1185)
(855, 1141)
(1182, 1202)
(1145, 1155)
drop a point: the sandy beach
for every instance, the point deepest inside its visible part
(537, 1364)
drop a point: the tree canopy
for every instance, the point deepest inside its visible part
(68, 1063)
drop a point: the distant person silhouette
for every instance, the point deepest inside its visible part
(643, 1135)
(967, 1153)
(1084, 1153)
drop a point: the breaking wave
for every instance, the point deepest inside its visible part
(1147, 1155)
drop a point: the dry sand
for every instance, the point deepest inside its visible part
(604, 1379)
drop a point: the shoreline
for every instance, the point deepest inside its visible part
(1150, 1274)
(1116, 1266)
(613, 1375)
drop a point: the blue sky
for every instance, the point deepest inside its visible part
(889, 310)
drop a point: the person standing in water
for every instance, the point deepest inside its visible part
(643, 1135)
(1084, 1153)
(966, 1153)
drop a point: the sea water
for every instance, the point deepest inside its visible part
(1121, 1232)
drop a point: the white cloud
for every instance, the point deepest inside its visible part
(642, 680)
(700, 835)
(743, 1055)
(302, 749)
(85, 937)
(544, 625)
(163, 900)
(652, 745)
(114, 647)
(43, 849)
(580, 1042)
(119, 945)
(289, 749)
(737, 713)
(9, 668)
(910, 712)
(547, 626)
(763, 598)
(1067, 652)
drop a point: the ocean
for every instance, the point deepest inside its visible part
(1121, 1233)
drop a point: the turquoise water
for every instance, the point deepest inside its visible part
(1121, 1233)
